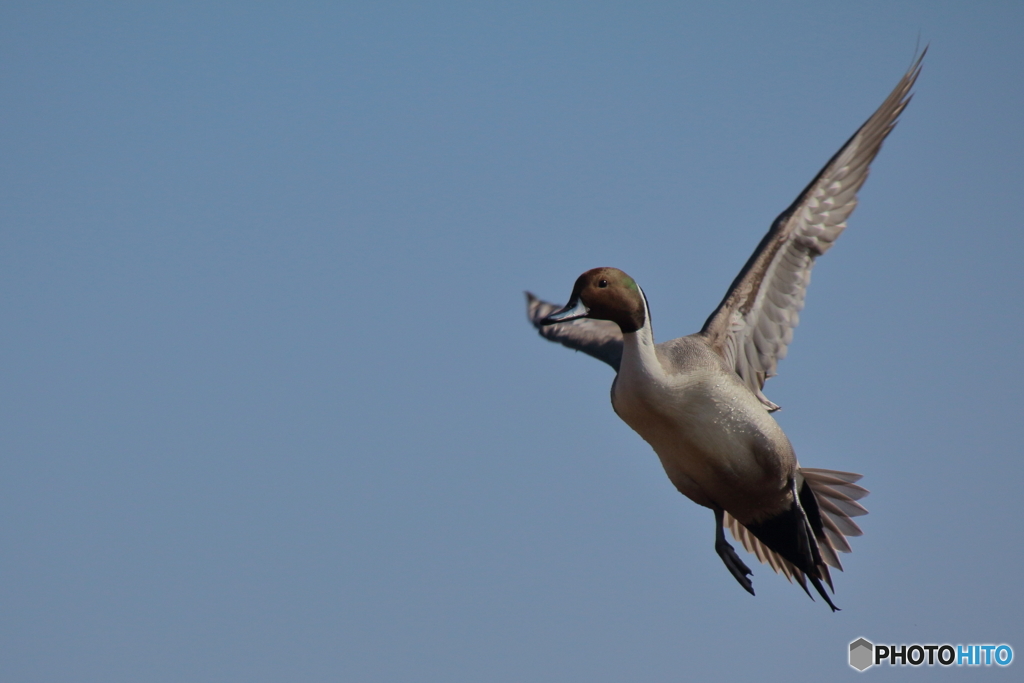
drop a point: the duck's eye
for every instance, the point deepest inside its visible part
(602, 283)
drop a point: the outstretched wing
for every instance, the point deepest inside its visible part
(599, 338)
(753, 325)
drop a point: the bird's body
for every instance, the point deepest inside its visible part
(698, 401)
(718, 445)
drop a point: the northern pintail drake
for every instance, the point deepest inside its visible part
(698, 400)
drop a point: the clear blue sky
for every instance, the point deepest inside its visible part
(269, 405)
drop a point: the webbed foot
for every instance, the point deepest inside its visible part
(733, 563)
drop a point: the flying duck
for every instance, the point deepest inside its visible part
(698, 400)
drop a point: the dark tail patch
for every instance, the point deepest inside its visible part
(813, 513)
(792, 535)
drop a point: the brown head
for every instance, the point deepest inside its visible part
(604, 294)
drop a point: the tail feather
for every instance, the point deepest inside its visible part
(828, 554)
(821, 591)
(828, 513)
(835, 537)
(837, 494)
(840, 518)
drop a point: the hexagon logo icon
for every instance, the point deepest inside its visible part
(861, 654)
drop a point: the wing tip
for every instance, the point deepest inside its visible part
(533, 305)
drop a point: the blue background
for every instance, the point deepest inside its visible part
(270, 406)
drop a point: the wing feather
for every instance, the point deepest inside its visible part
(753, 325)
